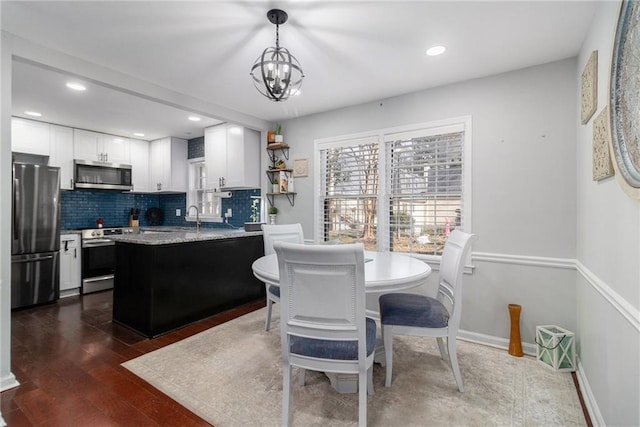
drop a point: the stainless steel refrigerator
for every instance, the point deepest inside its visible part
(35, 235)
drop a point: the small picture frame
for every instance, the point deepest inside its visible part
(300, 168)
(602, 164)
(589, 94)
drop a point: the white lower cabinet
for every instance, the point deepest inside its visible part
(70, 264)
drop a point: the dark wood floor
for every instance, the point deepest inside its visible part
(67, 359)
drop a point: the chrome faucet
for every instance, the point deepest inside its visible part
(197, 216)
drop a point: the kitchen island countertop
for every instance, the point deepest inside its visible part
(170, 235)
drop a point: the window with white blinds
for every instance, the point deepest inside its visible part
(350, 186)
(403, 190)
(425, 182)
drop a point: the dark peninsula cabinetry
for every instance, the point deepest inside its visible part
(162, 287)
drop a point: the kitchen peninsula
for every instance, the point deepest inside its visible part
(168, 279)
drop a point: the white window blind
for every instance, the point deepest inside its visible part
(425, 182)
(349, 192)
(400, 189)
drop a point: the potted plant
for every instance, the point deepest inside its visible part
(278, 136)
(255, 223)
(273, 211)
(275, 185)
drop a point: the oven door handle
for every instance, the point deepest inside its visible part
(98, 279)
(97, 243)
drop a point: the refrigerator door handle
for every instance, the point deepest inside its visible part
(32, 259)
(16, 203)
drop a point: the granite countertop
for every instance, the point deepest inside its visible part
(173, 235)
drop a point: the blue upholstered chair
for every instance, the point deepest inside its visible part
(272, 233)
(418, 315)
(322, 316)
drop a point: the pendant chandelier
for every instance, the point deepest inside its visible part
(277, 73)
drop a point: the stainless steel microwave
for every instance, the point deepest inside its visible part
(102, 176)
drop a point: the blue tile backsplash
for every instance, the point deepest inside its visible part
(195, 148)
(82, 208)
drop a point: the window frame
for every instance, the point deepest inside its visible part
(386, 136)
(193, 188)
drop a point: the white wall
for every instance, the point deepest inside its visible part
(608, 250)
(7, 379)
(523, 187)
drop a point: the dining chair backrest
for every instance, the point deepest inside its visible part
(322, 291)
(323, 325)
(452, 263)
(291, 233)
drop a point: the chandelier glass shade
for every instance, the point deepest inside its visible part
(277, 73)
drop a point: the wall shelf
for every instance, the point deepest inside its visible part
(279, 146)
(274, 172)
(290, 196)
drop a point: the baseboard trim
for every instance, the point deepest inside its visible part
(495, 342)
(588, 397)
(8, 381)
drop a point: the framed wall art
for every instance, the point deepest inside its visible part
(589, 94)
(602, 166)
(300, 168)
(624, 96)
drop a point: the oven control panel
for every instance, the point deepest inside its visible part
(98, 233)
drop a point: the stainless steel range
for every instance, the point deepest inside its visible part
(99, 258)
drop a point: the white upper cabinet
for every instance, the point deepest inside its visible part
(30, 137)
(100, 147)
(62, 154)
(140, 165)
(168, 169)
(116, 149)
(232, 157)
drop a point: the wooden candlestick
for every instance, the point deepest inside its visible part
(515, 343)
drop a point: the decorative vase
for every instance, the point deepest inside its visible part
(278, 138)
(272, 219)
(515, 343)
(275, 188)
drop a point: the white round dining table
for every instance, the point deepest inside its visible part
(383, 271)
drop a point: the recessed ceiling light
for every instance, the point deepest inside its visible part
(194, 118)
(436, 50)
(76, 86)
(138, 134)
(33, 113)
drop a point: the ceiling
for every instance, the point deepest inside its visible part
(351, 52)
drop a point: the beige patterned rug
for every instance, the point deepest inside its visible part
(230, 375)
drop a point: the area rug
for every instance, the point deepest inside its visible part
(230, 375)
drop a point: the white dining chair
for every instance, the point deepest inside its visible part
(291, 233)
(419, 315)
(322, 316)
